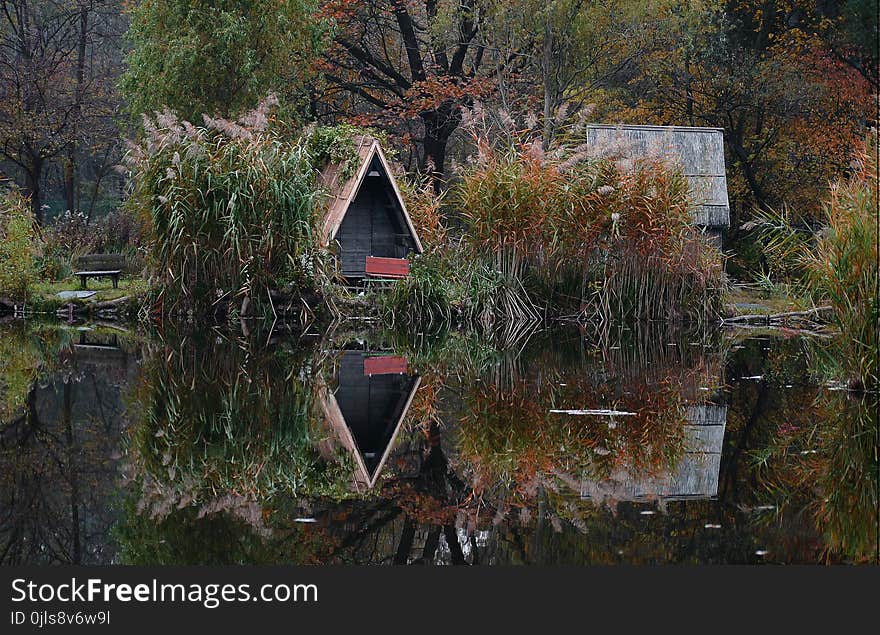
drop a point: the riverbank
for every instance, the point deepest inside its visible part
(52, 298)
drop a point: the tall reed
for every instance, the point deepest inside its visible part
(229, 208)
(837, 265)
(842, 268)
(18, 247)
(588, 237)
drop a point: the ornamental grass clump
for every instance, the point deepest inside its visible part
(18, 247)
(229, 208)
(587, 237)
(837, 267)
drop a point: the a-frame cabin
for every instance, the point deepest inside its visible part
(366, 407)
(366, 218)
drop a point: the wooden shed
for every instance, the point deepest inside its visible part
(699, 152)
(366, 407)
(366, 216)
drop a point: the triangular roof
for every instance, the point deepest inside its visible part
(341, 194)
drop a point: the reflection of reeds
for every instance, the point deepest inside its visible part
(848, 511)
(227, 425)
(510, 441)
(824, 460)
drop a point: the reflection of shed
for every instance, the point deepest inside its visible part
(695, 476)
(366, 408)
(699, 152)
(366, 214)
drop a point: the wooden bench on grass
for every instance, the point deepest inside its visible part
(100, 266)
(386, 268)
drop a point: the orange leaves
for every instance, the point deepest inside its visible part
(428, 94)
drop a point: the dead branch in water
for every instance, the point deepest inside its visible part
(807, 319)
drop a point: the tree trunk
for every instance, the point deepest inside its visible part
(70, 179)
(439, 126)
(33, 174)
(549, 85)
(71, 182)
(75, 553)
(434, 160)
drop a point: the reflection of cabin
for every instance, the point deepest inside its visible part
(366, 407)
(366, 216)
(699, 152)
(694, 477)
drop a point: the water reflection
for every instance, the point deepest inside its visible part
(65, 416)
(366, 447)
(366, 407)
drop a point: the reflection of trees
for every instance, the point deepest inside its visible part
(58, 455)
(228, 454)
(185, 537)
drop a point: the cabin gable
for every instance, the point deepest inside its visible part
(365, 408)
(366, 215)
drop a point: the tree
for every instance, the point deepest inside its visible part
(57, 70)
(852, 32)
(219, 58)
(397, 62)
(36, 103)
(793, 114)
(568, 51)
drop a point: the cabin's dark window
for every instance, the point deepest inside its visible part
(371, 405)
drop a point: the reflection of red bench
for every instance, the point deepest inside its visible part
(387, 267)
(384, 365)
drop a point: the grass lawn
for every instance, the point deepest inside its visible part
(47, 292)
(754, 301)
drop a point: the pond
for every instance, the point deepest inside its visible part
(546, 446)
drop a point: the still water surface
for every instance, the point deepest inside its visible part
(558, 447)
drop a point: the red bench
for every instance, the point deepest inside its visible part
(384, 365)
(386, 267)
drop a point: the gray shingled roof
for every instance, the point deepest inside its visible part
(698, 151)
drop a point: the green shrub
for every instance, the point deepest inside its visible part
(422, 298)
(18, 245)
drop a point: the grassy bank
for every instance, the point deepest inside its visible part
(837, 267)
